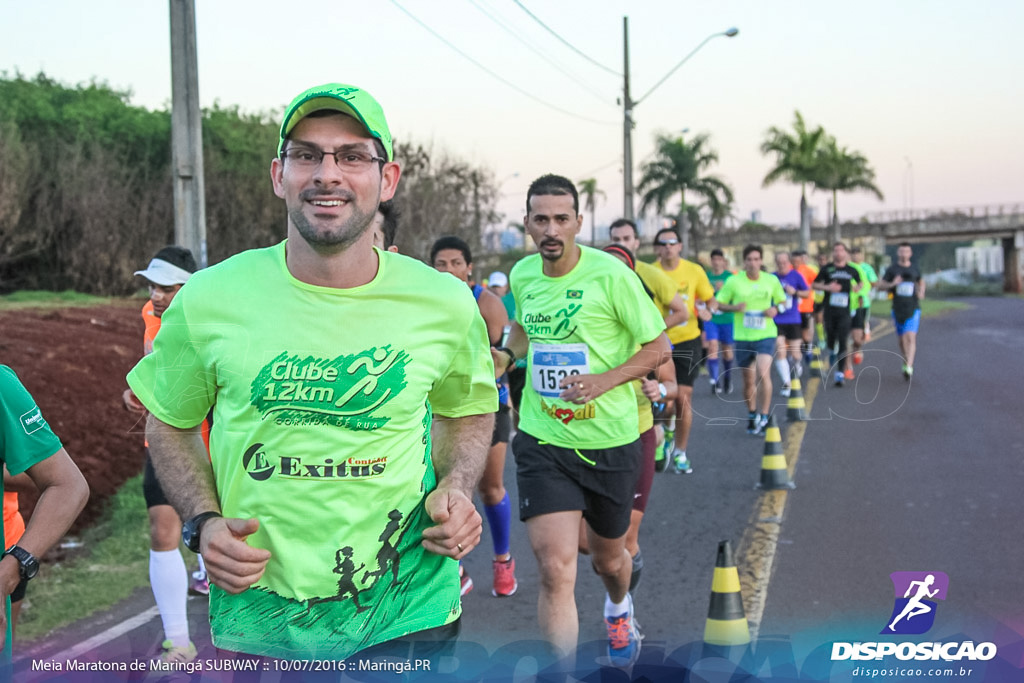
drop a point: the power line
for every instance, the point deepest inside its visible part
(601, 168)
(601, 96)
(564, 41)
(493, 74)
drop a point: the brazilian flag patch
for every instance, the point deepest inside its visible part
(574, 294)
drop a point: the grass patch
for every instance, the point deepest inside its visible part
(929, 307)
(115, 563)
(41, 299)
(972, 289)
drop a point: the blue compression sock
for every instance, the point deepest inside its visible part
(500, 520)
(713, 368)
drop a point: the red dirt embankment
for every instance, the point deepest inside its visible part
(73, 361)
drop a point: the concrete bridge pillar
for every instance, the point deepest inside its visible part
(1013, 264)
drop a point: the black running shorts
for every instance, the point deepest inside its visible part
(502, 425)
(791, 331)
(858, 319)
(686, 356)
(600, 482)
(151, 490)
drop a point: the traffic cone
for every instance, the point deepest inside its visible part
(773, 464)
(727, 623)
(816, 367)
(796, 405)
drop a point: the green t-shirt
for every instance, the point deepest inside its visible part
(25, 440)
(323, 402)
(759, 295)
(590, 320)
(509, 302)
(868, 276)
(720, 318)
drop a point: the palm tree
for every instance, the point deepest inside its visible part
(677, 168)
(718, 211)
(796, 159)
(841, 170)
(588, 188)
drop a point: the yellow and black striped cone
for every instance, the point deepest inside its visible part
(773, 465)
(795, 407)
(727, 623)
(817, 368)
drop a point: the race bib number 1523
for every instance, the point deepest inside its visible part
(551, 363)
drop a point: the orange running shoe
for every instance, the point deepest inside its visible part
(858, 358)
(848, 374)
(505, 583)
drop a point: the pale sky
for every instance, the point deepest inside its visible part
(929, 92)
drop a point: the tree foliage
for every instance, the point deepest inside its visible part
(796, 153)
(439, 195)
(678, 168)
(86, 187)
(839, 169)
(588, 189)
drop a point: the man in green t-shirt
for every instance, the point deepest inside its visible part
(718, 330)
(860, 306)
(754, 297)
(587, 329)
(345, 503)
(27, 445)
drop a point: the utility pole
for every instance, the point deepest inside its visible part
(187, 133)
(627, 110)
(627, 128)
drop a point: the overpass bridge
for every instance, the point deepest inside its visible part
(874, 231)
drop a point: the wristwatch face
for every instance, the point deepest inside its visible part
(29, 565)
(190, 530)
(190, 535)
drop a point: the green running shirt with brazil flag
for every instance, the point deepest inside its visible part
(588, 321)
(760, 295)
(323, 401)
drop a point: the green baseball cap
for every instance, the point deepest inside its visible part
(346, 99)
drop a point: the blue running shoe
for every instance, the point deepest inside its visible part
(623, 638)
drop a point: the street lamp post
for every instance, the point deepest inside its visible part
(627, 110)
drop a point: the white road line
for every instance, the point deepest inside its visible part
(105, 637)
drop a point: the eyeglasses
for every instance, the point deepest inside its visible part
(666, 243)
(352, 161)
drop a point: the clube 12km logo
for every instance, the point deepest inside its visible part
(915, 607)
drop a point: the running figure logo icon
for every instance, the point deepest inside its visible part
(914, 608)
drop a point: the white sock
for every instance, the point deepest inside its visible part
(783, 368)
(612, 609)
(202, 565)
(169, 579)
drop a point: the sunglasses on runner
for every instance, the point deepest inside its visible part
(666, 243)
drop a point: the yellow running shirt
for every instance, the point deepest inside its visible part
(693, 286)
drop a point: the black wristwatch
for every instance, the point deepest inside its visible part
(511, 355)
(29, 565)
(191, 529)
